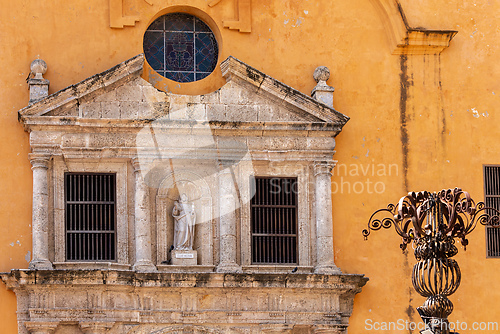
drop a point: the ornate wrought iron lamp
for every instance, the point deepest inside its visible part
(432, 222)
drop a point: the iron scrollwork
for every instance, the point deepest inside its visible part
(432, 222)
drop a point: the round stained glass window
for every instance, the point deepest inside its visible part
(181, 47)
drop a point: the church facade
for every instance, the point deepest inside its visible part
(190, 167)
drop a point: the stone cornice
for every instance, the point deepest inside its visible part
(423, 41)
(406, 39)
(342, 283)
(98, 138)
(69, 124)
(119, 154)
(420, 40)
(234, 67)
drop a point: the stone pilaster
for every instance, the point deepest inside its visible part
(227, 220)
(143, 262)
(40, 327)
(324, 223)
(40, 212)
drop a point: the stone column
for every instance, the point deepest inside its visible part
(227, 220)
(40, 212)
(324, 223)
(40, 327)
(143, 255)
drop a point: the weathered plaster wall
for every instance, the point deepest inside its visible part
(444, 103)
(450, 129)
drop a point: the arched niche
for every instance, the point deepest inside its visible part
(198, 191)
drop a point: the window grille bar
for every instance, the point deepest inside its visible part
(90, 216)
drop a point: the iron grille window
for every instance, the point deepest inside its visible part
(492, 200)
(181, 47)
(90, 216)
(274, 221)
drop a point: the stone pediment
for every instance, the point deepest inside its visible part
(249, 96)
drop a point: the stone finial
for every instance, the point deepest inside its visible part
(321, 73)
(322, 92)
(38, 67)
(39, 87)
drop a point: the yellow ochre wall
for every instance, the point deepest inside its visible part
(417, 121)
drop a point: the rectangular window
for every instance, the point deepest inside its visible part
(492, 200)
(90, 214)
(274, 221)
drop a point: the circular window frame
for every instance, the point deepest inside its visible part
(163, 82)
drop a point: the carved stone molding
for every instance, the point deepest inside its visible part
(181, 300)
(276, 328)
(324, 167)
(95, 327)
(39, 160)
(41, 327)
(329, 329)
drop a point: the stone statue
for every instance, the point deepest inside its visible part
(184, 221)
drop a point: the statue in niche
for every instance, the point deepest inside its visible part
(184, 221)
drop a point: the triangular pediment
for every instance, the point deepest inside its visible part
(121, 94)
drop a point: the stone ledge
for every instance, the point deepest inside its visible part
(424, 42)
(62, 122)
(163, 279)
(90, 265)
(406, 40)
(170, 268)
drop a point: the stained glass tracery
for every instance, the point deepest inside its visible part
(181, 47)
